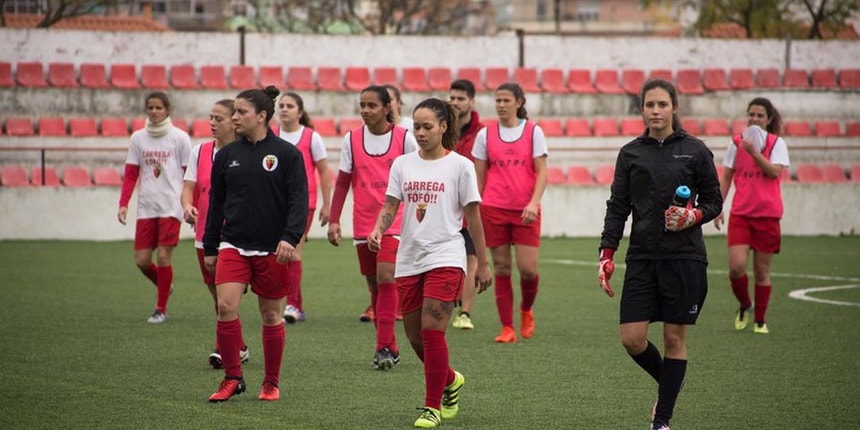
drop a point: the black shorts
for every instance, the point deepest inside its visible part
(470, 246)
(671, 291)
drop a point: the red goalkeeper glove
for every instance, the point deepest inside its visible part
(605, 269)
(678, 218)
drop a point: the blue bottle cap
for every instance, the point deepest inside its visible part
(683, 191)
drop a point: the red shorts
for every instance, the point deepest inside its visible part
(208, 277)
(505, 227)
(367, 259)
(151, 233)
(267, 277)
(442, 283)
(761, 234)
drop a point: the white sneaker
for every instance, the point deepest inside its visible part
(215, 359)
(157, 317)
(244, 355)
(293, 314)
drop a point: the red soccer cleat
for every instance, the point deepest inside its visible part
(508, 335)
(269, 392)
(527, 324)
(229, 387)
(367, 315)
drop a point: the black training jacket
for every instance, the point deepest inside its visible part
(646, 174)
(259, 196)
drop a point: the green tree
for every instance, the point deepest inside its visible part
(55, 10)
(829, 14)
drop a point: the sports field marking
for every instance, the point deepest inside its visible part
(796, 294)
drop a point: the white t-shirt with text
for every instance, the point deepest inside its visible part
(162, 161)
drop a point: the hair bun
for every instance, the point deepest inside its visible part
(272, 91)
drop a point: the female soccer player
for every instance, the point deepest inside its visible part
(438, 187)
(296, 128)
(754, 168)
(257, 215)
(397, 108)
(157, 156)
(195, 198)
(365, 160)
(666, 277)
(510, 159)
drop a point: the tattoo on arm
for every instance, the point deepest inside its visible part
(389, 209)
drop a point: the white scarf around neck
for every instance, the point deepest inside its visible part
(158, 129)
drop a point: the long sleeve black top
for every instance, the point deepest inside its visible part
(259, 196)
(646, 174)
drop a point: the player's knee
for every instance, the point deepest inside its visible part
(736, 272)
(271, 316)
(528, 273)
(634, 344)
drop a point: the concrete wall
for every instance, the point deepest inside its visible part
(90, 214)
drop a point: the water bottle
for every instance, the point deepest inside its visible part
(682, 196)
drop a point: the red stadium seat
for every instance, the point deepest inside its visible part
(325, 127)
(439, 78)
(716, 127)
(301, 79)
(123, 76)
(605, 127)
(849, 79)
(13, 176)
(83, 127)
(824, 79)
(827, 128)
(606, 82)
(77, 177)
(767, 78)
(180, 123)
(689, 81)
(631, 126)
(329, 79)
(51, 177)
(52, 127)
(855, 172)
(579, 175)
(200, 127)
(385, 76)
(213, 77)
(554, 175)
(6, 75)
(552, 81)
(94, 76)
(106, 176)
(31, 74)
(62, 75)
(357, 78)
(415, 79)
(604, 174)
(138, 124)
(577, 127)
(551, 127)
(852, 128)
(692, 126)
(473, 75)
(183, 77)
(348, 124)
(714, 79)
(833, 173)
(741, 79)
(154, 77)
(797, 128)
(528, 79)
(114, 127)
(272, 75)
(809, 173)
(579, 81)
(242, 77)
(796, 79)
(739, 125)
(664, 74)
(632, 80)
(496, 76)
(19, 127)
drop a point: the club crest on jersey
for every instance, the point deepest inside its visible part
(270, 162)
(421, 211)
(156, 170)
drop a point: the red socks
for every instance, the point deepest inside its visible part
(762, 298)
(165, 280)
(384, 316)
(229, 334)
(152, 273)
(294, 284)
(504, 300)
(741, 291)
(530, 289)
(437, 371)
(274, 340)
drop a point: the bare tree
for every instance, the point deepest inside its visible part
(54, 11)
(831, 14)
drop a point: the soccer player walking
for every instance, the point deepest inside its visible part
(257, 216)
(753, 162)
(510, 160)
(365, 160)
(438, 188)
(157, 156)
(666, 278)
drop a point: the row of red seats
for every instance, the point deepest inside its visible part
(552, 80)
(805, 173)
(328, 127)
(16, 176)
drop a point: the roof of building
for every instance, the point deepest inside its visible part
(731, 30)
(88, 22)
